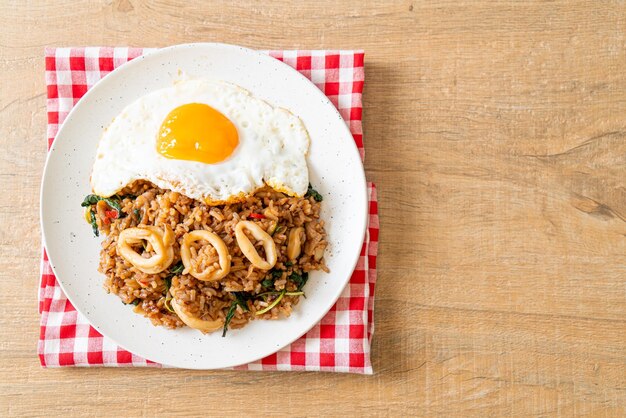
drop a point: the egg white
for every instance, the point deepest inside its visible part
(273, 144)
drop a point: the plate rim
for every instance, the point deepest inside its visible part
(46, 174)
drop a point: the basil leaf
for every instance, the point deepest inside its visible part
(90, 199)
(229, 317)
(94, 224)
(311, 192)
(242, 298)
(305, 278)
(299, 279)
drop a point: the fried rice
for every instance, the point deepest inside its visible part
(247, 292)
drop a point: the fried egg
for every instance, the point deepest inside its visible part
(209, 140)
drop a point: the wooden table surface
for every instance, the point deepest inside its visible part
(496, 132)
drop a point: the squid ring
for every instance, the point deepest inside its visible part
(220, 247)
(196, 323)
(248, 249)
(161, 242)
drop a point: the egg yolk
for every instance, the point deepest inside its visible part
(197, 132)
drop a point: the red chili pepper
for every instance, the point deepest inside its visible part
(257, 216)
(111, 214)
(106, 221)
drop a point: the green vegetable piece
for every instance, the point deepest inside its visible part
(299, 279)
(277, 229)
(314, 194)
(305, 278)
(136, 302)
(94, 224)
(288, 264)
(168, 304)
(168, 280)
(273, 275)
(168, 295)
(137, 214)
(90, 199)
(270, 292)
(229, 317)
(295, 277)
(241, 300)
(178, 268)
(271, 305)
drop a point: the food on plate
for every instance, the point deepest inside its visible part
(202, 193)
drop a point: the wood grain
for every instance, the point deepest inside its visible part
(496, 132)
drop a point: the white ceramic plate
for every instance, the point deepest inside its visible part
(334, 166)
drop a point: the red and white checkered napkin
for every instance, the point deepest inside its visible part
(339, 343)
